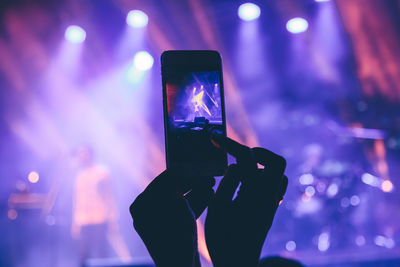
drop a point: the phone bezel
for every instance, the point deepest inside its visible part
(192, 61)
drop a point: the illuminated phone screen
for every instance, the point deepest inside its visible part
(194, 110)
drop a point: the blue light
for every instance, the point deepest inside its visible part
(137, 19)
(249, 11)
(297, 25)
(143, 61)
(75, 34)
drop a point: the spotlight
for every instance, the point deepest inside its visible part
(75, 34)
(33, 177)
(137, 19)
(297, 25)
(249, 11)
(143, 61)
(321, 0)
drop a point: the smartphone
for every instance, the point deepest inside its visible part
(193, 104)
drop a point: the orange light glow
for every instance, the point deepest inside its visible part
(387, 186)
(12, 214)
(33, 177)
(305, 198)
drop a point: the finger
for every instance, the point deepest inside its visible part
(228, 185)
(243, 154)
(284, 186)
(273, 162)
(232, 147)
(199, 197)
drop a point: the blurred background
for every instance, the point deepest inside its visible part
(81, 124)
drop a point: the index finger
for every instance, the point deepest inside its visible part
(239, 151)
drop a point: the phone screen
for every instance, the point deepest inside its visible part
(194, 103)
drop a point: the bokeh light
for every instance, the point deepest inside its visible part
(33, 177)
(75, 34)
(387, 186)
(290, 245)
(249, 11)
(360, 240)
(323, 242)
(297, 25)
(137, 19)
(12, 214)
(306, 179)
(143, 61)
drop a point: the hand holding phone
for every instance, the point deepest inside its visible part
(237, 224)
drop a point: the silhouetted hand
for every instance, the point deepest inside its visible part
(236, 229)
(165, 214)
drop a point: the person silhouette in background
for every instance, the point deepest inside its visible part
(94, 208)
(165, 213)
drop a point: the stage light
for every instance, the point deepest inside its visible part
(360, 240)
(33, 177)
(305, 197)
(321, 0)
(12, 214)
(306, 179)
(75, 34)
(355, 200)
(310, 190)
(290, 245)
(332, 190)
(345, 202)
(369, 179)
(249, 11)
(379, 240)
(387, 186)
(143, 61)
(137, 19)
(389, 243)
(323, 242)
(297, 25)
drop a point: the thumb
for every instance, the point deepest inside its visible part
(200, 196)
(228, 185)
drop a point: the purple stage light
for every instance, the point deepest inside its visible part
(306, 179)
(143, 61)
(369, 179)
(290, 245)
(137, 19)
(360, 240)
(75, 34)
(249, 11)
(332, 190)
(297, 25)
(355, 200)
(323, 242)
(321, 0)
(310, 190)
